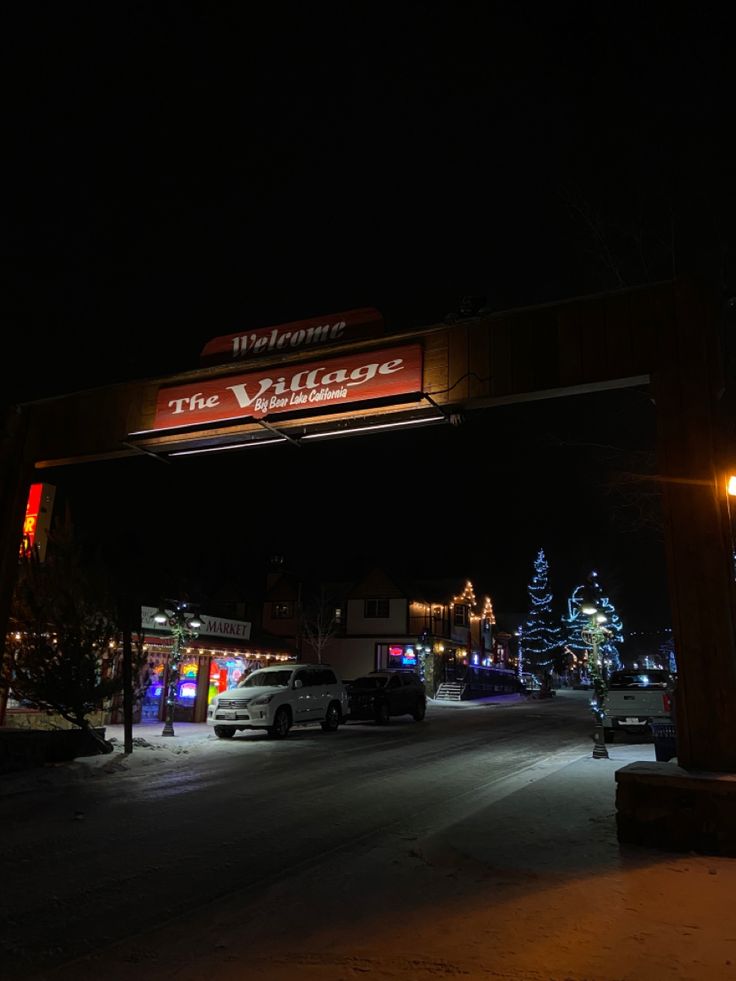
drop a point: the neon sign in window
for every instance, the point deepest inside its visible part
(403, 655)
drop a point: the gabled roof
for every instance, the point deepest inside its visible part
(381, 582)
(285, 589)
(377, 582)
(440, 590)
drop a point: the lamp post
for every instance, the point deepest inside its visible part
(593, 634)
(184, 624)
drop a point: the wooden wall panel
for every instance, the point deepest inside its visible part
(436, 366)
(571, 321)
(500, 354)
(479, 347)
(457, 363)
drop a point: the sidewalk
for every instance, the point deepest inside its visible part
(191, 733)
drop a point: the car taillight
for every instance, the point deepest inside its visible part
(667, 703)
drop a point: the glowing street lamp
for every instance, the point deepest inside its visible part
(731, 492)
(184, 624)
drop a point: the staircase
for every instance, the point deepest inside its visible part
(450, 692)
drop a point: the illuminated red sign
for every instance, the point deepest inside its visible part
(37, 520)
(30, 523)
(348, 326)
(305, 387)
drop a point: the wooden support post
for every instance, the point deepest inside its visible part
(689, 388)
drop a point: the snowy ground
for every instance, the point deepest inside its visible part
(528, 882)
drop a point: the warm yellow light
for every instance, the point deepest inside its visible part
(731, 485)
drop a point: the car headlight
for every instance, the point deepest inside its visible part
(262, 699)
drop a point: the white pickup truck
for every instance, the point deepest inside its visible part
(635, 698)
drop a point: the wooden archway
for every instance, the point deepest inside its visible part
(666, 335)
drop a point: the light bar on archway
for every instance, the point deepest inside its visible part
(230, 446)
(349, 431)
(325, 434)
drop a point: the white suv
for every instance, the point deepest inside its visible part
(277, 698)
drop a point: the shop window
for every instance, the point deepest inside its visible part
(153, 695)
(282, 611)
(226, 672)
(187, 684)
(376, 609)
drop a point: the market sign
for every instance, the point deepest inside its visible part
(316, 385)
(211, 626)
(349, 326)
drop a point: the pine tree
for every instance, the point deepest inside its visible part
(609, 650)
(576, 622)
(573, 625)
(541, 633)
(66, 623)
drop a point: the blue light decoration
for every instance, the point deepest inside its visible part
(542, 639)
(576, 621)
(409, 657)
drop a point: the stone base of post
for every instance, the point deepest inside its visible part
(599, 749)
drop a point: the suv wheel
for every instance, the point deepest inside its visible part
(281, 724)
(224, 732)
(332, 718)
(382, 714)
(420, 711)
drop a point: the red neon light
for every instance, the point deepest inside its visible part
(30, 523)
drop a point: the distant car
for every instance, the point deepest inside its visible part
(531, 682)
(536, 686)
(380, 695)
(277, 698)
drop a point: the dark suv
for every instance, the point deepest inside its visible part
(381, 694)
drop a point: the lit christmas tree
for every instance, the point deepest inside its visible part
(573, 625)
(576, 621)
(541, 633)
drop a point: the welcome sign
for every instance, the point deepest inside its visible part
(348, 326)
(338, 381)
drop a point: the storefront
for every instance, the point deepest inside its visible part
(211, 663)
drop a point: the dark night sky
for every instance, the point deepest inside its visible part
(177, 172)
